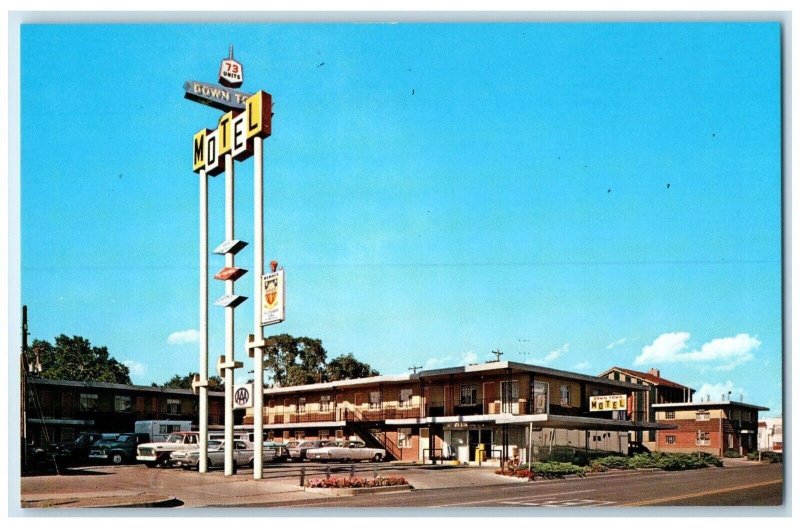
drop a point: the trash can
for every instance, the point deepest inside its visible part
(480, 453)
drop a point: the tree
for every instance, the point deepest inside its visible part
(74, 358)
(348, 367)
(302, 360)
(185, 382)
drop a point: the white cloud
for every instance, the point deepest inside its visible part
(183, 337)
(717, 390)
(555, 354)
(466, 358)
(583, 365)
(134, 367)
(670, 348)
(618, 342)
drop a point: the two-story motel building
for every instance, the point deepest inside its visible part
(500, 406)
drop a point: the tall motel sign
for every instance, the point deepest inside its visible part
(245, 123)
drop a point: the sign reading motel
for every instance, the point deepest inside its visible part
(233, 135)
(611, 402)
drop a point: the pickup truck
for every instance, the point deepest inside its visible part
(158, 453)
(121, 450)
(346, 451)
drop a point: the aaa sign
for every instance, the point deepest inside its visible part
(234, 135)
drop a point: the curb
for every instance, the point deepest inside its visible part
(104, 502)
(349, 492)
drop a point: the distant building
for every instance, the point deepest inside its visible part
(711, 427)
(770, 434)
(58, 410)
(659, 390)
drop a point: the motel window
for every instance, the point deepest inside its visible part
(375, 400)
(469, 394)
(88, 402)
(286, 436)
(324, 403)
(703, 439)
(777, 430)
(541, 397)
(404, 437)
(669, 415)
(510, 394)
(703, 416)
(301, 405)
(565, 396)
(405, 397)
(324, 434)
(299, 435)
(670, 439)
(122, 403)
(173, 406)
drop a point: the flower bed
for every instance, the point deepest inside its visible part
(356, 482)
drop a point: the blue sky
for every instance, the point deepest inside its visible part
(579, 196)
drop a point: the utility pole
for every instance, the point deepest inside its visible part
(414, 368)
(497, 353)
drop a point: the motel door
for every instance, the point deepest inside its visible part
(424, 443)
(479, 436)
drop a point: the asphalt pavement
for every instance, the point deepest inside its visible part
(740, 483)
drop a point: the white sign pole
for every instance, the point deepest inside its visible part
(203, 407)
(229, 320)
(258, 270)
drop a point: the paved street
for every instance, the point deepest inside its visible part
(449, 487)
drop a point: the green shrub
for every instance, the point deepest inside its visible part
(708, 459)
(766, 456)
(680, 462)
(612, 462)
(556, 469)
(731, 453)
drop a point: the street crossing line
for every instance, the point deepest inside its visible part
(527, 497)
(566, 503)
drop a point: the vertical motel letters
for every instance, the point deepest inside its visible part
(233, 135)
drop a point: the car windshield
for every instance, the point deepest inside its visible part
(307, 443)
(174, 439)
(105, 441)
(125, 439)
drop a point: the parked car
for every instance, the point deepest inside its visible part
(298, 452)
(121, 450)
(346, 451)
(77, 450)
(275, 452)
(242, 455)
(158, 453)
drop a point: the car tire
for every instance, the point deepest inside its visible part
(377, 458)
(116, 459)
(151, 464)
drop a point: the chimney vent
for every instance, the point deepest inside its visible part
(654, 372)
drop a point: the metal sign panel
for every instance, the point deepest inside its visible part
(230, 273)
(610, 402)
(243, 396)
(230, 301)
(231, 73)
(214, 95)
(230, 246)
(272, 298)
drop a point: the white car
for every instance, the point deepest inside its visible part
(346, 451)
(242, 455)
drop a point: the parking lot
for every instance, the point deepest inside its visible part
(137, 485)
